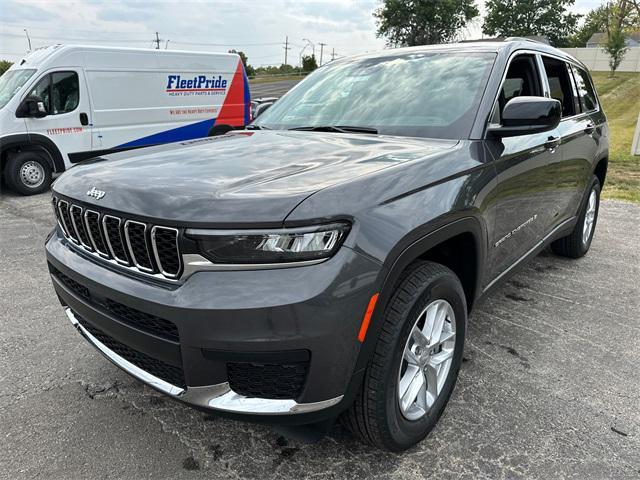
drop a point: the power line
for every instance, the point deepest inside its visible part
(230, 44)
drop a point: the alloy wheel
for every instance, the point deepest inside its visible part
(426, 359)
(589, 217)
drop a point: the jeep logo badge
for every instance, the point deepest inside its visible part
(95, 193)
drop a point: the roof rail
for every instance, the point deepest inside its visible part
(523, 39)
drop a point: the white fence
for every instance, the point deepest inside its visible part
(597, 59)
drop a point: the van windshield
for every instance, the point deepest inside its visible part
(11, 82)
(423, 94)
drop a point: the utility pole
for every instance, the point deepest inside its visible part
(321, 50)
(333, 54)
(28, 39)
(286, 49)
(157, 41)
(166, 45)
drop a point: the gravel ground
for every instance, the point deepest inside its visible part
(549, 387)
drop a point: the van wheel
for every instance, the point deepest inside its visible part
(417, 356)
(577, 243)
(217, 130)
(27, 173)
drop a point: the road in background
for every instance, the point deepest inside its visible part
(548, 388)
(271, 89)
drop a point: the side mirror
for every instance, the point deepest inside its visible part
(32, 107)
(261, 108)
(528, 115)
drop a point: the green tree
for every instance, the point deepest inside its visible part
(612, 15)
(616, 48)
(523, 18)
(406, 23)
(245, 61)
(594, 22)
(4, 66)
(309, 63)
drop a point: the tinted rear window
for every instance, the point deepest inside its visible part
(585, 90)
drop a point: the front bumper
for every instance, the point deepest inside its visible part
(224, 319)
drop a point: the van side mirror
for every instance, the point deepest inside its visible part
(528, 115)
(32, 107)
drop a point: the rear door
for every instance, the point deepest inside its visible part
(571, 169)
(67, 123)
(522, 163)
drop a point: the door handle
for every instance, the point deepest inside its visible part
(590, 128)
(552, 143)
(84, 119)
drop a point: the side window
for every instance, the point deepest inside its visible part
(585, 89)
(65, 91)
(59, 91)
(522, 79)
(560, 84)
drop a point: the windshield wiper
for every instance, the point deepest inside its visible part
(337, 128)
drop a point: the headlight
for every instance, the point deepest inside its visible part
(270, 246)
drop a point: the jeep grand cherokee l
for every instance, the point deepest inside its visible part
(323, 262)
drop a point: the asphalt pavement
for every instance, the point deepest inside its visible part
(271, 89)
(549, 388)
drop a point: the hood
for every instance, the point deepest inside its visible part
(247, 177)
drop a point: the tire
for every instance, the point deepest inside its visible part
(217, 130)
(27, 173)
(577, 243)
(376, 416)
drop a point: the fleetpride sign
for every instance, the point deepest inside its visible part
(198, 85)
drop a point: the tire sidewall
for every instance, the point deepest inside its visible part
(12, 173)
(403, 432)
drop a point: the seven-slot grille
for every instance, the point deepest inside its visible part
(151, 249)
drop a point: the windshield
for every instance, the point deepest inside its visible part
(432, 94)
(11, 82)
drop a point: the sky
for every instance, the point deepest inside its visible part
(257, 27)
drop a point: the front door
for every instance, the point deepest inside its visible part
(522, 165)
(68, 119)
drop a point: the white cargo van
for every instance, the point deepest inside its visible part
(63, 104)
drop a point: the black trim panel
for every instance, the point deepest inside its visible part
(78, 157)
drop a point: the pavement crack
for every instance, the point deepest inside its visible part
(619, 432)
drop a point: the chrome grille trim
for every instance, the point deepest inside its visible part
(154, 229)
(105, 232)
(56, 212)
(130, 248)
(87, 226)
(95, 222)
(76, 229)
(63, 206)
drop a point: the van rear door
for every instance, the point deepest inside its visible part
(68, 120)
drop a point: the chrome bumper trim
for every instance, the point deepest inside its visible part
(217, 397)
(127, 366)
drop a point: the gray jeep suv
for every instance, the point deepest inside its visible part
(322, 263)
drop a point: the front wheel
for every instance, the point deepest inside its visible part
(577, 243)
(28, 173)
(416, 361)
